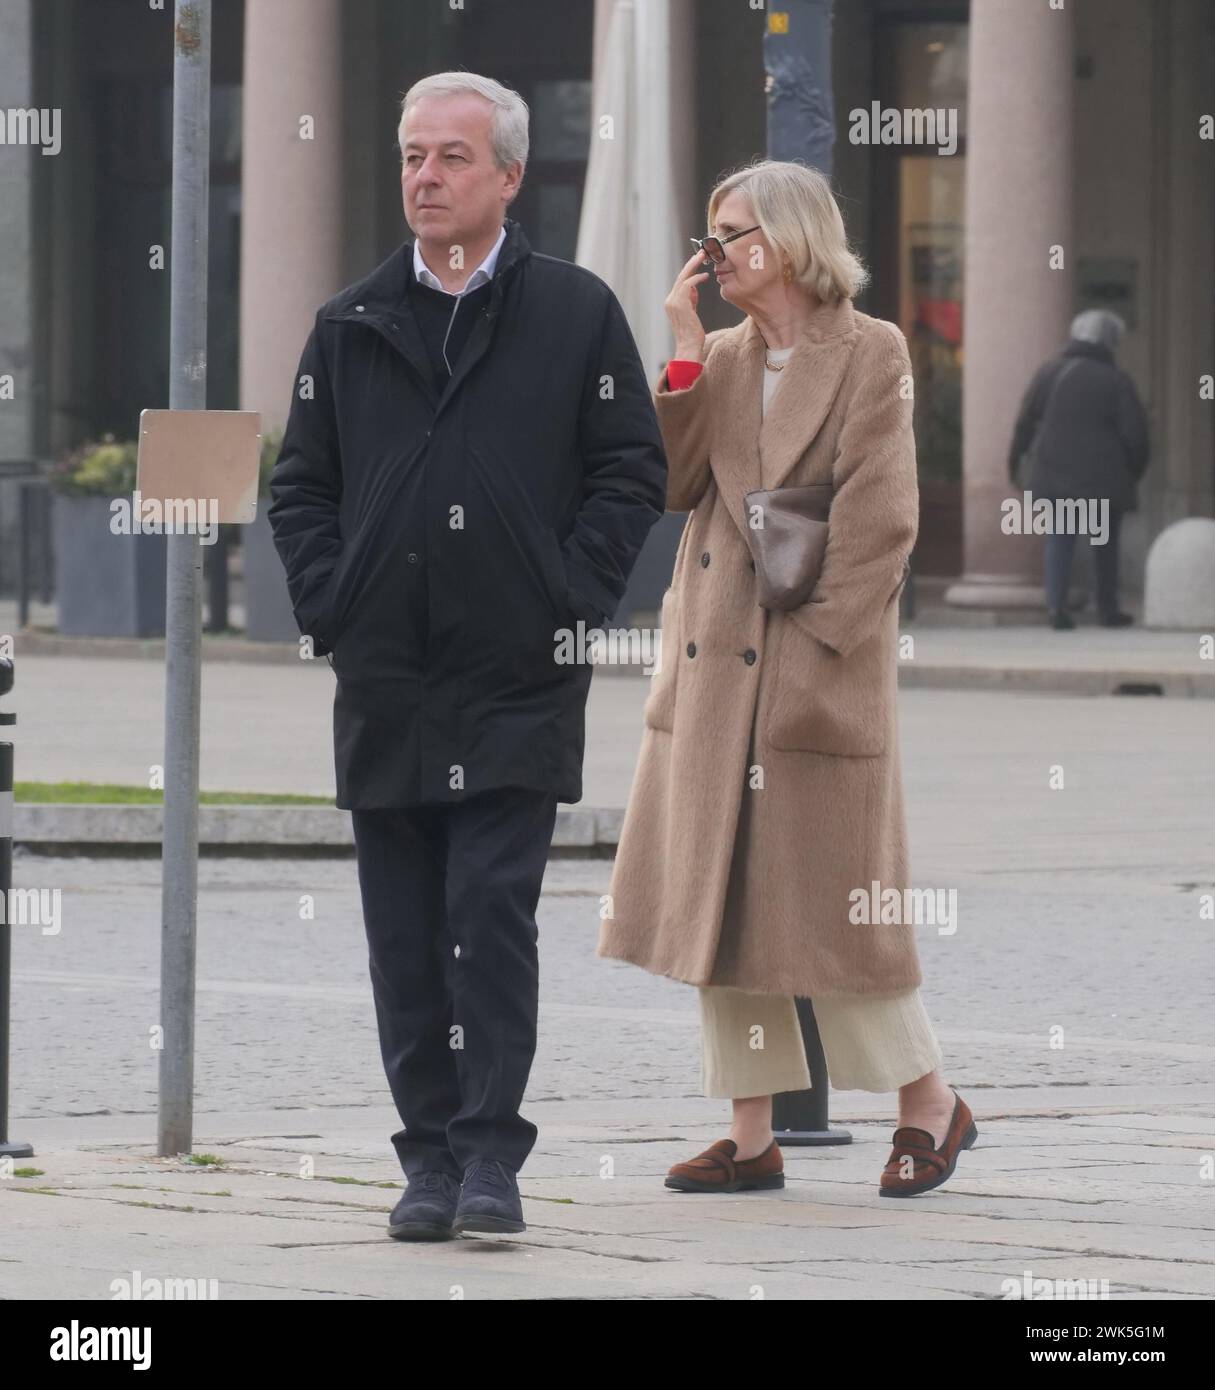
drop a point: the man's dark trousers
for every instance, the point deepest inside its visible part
(449, 902)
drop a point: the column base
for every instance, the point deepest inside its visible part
(995, 591)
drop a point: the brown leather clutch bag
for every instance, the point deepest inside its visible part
(787, 533)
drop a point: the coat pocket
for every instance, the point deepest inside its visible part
(659, 710)
(556, 580)
(822, 702)
(317, 618)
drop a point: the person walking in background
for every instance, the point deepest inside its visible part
(768, 791)
(471, 464)
(1085, 433)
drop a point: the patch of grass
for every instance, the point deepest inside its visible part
(110, 794)
(28, 1172)
(205, 1160)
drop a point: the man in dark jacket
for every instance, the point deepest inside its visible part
(1087, 436)
(470, 466)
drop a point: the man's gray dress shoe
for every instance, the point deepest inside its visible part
(427, 1209)
(489, 1199)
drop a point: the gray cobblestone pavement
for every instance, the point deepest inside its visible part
(1078, 912)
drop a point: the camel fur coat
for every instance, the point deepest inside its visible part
(794, 711)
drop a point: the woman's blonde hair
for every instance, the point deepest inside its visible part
(797, 212)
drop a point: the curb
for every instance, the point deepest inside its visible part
(1069, 681)
(278, 830)
(31, 642)
(232, 650)
(1178, 683)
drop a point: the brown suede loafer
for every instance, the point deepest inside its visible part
(717, 1170)
(930, 1167)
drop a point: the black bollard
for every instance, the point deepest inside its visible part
(13, 1148)
(800, 1117)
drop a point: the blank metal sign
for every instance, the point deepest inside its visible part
(206, 456)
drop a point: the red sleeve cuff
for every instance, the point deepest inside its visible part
(681, 374)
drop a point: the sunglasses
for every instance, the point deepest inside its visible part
(714, 246)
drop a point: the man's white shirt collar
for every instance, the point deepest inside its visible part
(482, 275)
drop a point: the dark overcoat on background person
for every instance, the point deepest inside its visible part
(1088, 431)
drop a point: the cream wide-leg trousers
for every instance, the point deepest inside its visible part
(751, 1044)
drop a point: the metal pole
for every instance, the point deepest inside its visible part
(11, 1148)
(23, 555)
(801, 125)
(48, 543)
(183, 604)
(215, 570)
(797, 63)
(800, 1117)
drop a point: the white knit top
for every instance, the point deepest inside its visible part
(772, 379)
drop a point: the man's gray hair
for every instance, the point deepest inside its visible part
(1098, 326)
(508, 133)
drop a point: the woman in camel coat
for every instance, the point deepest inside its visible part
(767, 801)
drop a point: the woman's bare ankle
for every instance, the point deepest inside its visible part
(751, 1129)
(750, 1145)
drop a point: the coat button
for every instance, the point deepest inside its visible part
(749, 656)
(358, 308)
(691, 648)
(413, 557)
(704, 560)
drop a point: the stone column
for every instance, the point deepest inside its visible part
(1017, 308)
(291, 191)
(1181, 477)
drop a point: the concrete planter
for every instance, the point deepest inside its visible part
(268, 615)
(105, 585)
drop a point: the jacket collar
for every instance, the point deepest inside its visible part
(385, 289)
(773, 442)
(381, 302)
(483, 273)
(1077, 347)
(827, 320)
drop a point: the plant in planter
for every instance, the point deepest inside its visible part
(107, 584)
(104, 468)
(268, 612)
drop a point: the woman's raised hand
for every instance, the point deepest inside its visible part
(680, 305)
